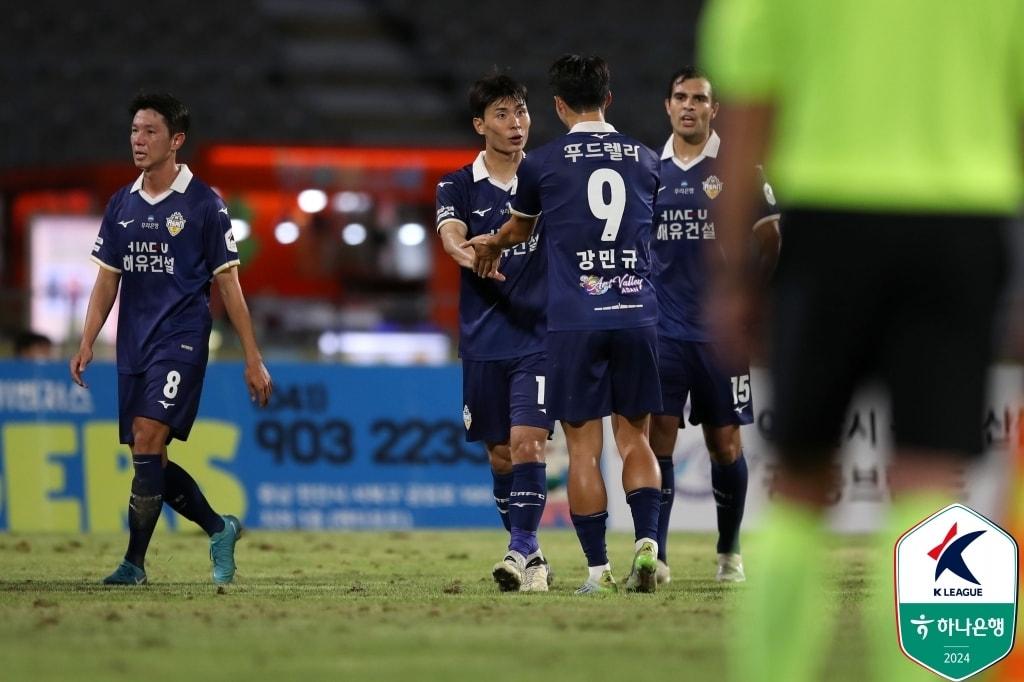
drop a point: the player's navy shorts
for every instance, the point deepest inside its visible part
(594, 373)
(717, 398)
(167, 392)
(907, 299)
(500, 394)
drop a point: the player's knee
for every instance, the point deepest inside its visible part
(724, 453)
(633, 445)
(527, 450)
(148, 436)
(500, 457)
(663, 436)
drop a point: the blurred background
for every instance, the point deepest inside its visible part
(325, 125)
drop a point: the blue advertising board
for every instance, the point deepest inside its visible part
(338, 447)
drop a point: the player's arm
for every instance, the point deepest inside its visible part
(767, 241)
(747, 126)
(488, 247)
(101, 300)
(453, 236)
(257, 378)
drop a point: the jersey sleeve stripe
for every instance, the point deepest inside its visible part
(103, 265)
(767, 218)
(523, 215)
(451, 220)
(227, 266)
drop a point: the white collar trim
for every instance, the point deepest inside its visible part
(710, 151)
(593, 127)
(180, 184)
(480, 172)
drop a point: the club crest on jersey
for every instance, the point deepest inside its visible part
(712, 186)
(175, 223)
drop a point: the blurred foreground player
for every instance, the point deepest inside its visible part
(595, 188)
(894, 261)
(163, 240)
(685, 248)
(501, 329)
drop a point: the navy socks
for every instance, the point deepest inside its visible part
(668, 496)
(729, 485)
(590, 529)
(645, 505)
(502, 490)
(144, 506)
(526, 505)
(182, 494)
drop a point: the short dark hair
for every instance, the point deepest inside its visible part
(583, 83)
(167, 105)
(25, 340)
(494, 87)
(684, 74)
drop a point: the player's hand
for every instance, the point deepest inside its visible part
(78, 364)
(257, 378)
(488, 255)
(464, 257)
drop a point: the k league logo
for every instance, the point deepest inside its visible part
(956, 592)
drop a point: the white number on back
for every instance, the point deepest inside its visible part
(611, 211)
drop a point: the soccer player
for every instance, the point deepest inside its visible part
(163, 240)
(502, 326)
(894, 262)
(692, 188)
(595, 188)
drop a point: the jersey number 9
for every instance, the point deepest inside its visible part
(609, 211)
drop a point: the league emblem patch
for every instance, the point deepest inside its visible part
(467, 416)
(175, 223)
(956, 592)
(712, 186)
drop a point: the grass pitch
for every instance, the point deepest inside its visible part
(371, 606)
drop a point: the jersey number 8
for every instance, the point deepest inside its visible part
(171, 387)
(609, 211)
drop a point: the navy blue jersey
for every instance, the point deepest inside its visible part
(167, 249)
(684, 237)
(497, 320)
(595, 188)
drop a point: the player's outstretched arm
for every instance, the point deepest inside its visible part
(257, 378)
(488, 247)
(453, 237)
(101, 300)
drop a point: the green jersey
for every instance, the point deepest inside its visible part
(880, 105)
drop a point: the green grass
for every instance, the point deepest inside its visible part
(370, 606)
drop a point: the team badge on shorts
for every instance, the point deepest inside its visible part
(175, 223)
(712, 186)
(467, 416)
(956, 592)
